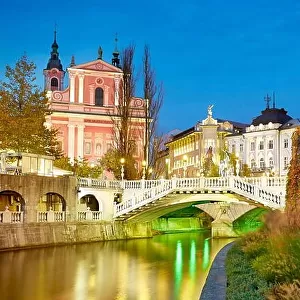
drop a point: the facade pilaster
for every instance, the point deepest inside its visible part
(80, 95)
(72, 88)
(71, 141)
(92, 95)
(80, 137)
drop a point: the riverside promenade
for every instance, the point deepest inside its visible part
(216, 281)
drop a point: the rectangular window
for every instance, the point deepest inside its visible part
(241, 148)
(261, 145)
(270, 144)
(285, 143)
(87, 148)
(233, 148)
(252, 146)
(285, 162)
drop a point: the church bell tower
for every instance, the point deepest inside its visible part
(54, 73)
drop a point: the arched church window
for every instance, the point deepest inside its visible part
(99, 96)
(54, 84)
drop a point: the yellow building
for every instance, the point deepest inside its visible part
(189, 149)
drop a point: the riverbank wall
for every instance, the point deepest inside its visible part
(33, 235)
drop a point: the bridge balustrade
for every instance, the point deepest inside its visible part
(144, 197)
(12, 217)
(89, 215)
(51, 216)
(260, 192)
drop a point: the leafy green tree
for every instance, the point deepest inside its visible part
(23, 112)
(293, 183)
(80, 168)
(112, 163)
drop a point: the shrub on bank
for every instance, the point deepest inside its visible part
(266, 264)
(242, 280)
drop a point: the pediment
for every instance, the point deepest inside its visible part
(97, 65)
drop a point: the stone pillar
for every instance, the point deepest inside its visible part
(89, 214)
(222, 228)
(80, 141)
(50, 215)
(71, 137)
(6, 216)
(72, 88)
(80, 92)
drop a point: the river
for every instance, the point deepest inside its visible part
(166, 267)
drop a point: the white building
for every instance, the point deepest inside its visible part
(266, 145)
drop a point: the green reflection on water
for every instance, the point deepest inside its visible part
(206, 254)
(193, 259)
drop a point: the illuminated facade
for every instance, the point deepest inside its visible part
(265, 145)
(188, 149)
(85, 110)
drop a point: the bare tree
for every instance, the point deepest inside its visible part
(131, 123)
(123, 132)
(153, 94)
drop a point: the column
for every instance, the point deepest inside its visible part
(72, 88)
(71, 138)
(80, 138)
(80, 96)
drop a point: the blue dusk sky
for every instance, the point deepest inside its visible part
(226, 53)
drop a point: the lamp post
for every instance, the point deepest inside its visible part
(122, 161)
(185, 158)
(144, 169)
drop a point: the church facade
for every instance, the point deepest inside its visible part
(86, 111)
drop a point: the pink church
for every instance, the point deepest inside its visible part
(83, 111)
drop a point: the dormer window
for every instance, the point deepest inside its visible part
(99, 96)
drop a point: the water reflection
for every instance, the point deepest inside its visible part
(172, 266)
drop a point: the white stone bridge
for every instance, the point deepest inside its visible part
(224, 198)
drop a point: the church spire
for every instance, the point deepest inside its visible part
(72, 64)
(115, 60)
(54, 73)
(54, 61)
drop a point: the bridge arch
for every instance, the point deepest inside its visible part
(250, 220)
(12, 201)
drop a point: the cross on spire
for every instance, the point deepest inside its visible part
(268, 99)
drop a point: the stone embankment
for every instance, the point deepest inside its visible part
(31, 235)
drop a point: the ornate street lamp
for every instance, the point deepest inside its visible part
(122, 161)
